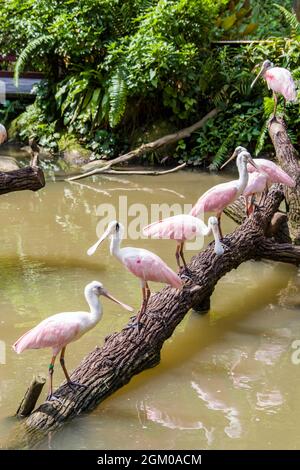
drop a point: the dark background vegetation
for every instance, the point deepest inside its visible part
(122, 72)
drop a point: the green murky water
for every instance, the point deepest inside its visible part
(226, 380)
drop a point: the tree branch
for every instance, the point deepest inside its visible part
(149, 147)
(29, 177)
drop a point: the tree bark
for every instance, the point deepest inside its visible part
(149, 147)
(288, 159)
(31, 396)
(29, 177)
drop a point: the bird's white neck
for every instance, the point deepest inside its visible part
(115, 243)
(243, 176)
(95, 306)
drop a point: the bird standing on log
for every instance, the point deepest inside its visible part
(181, 228)
(272, 171)
(220, 196)
(144, 264)
(59, 330)
(3, 134)
(279, 80)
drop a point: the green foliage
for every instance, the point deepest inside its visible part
(26, 54)
(245, 112)
(117, 65)
(117, 93)
(243, 19)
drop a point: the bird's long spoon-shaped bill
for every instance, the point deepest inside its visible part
(257, 76)
(93, 248)
(250, 160)
(229, 160)
(111, 297)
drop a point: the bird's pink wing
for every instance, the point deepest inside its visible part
(149, 267)
(256, 184)
(180, 227)
(216, 199)
(52, 332)
(281, 81)
(274, 173)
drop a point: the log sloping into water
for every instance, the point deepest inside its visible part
(29, 177)
(127, 353)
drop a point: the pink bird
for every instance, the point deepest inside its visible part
(142, 263)
(220, 196)
(279, 80)
(257, 183)
(181, 228)
(59, 330)
(3, 134)
(272, 171)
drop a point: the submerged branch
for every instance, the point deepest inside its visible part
(149, 147)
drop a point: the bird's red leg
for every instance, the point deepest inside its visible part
(51, 371)
(182, 256)
(71, 384)
(177, 255)
(246, 205)
(146, 295)
(251, 205)
(219, 225)
(275, 106)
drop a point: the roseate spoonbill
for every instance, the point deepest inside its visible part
(221, 195)
(59, 330)
(279, 80)
(273, 172)
(184, 227)
(256, 185)
(142, 263)
(3, 134)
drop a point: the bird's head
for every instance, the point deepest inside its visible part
(243, 158)
(114, 228)
(96, 288)
(266, 65)
(237, 151)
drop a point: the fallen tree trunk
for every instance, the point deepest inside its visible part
(146, 148)
(139, 172)
(288, 159)
(127, 353)
(283, 227)
(29, 177)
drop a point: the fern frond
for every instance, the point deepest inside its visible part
(25, 55)
(117, 92)
(290, 18)
(261, 139)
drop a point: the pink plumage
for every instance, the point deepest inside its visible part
(256, 184)
(149, 267)
(54, 332)
(180, 227)
(273, 172)
(144, 264)
(216, 198)
(280, 81)
(3, 134)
